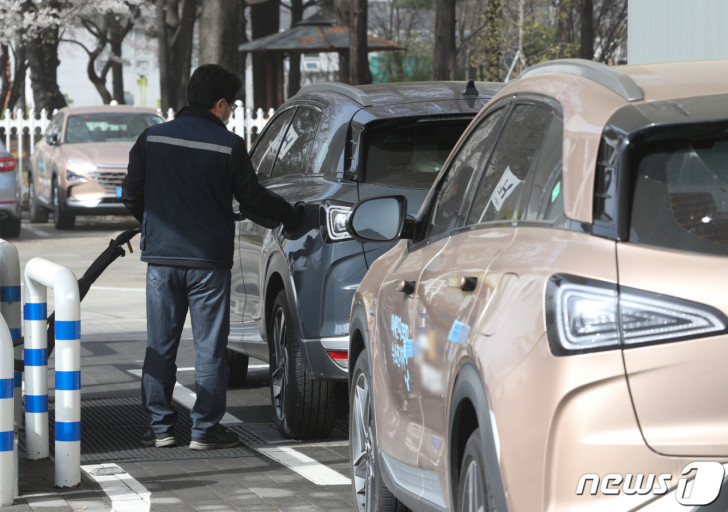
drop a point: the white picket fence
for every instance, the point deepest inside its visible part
(245, 122)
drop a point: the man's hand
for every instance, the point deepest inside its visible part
(305, 217)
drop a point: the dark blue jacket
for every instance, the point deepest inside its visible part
(181, 180)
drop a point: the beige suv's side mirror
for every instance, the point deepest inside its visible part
(379, 219)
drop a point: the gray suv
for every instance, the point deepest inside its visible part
(330, 146)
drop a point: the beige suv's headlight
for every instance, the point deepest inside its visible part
(584, 315)
(75, 168)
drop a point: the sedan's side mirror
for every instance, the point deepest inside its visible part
(379, 219)
(53, 139)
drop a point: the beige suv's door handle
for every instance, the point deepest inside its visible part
(465, 283)
(405, 286)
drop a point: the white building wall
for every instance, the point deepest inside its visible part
(676, 30)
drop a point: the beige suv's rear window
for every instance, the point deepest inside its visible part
(681, 196)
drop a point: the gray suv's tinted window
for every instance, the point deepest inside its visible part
(265, 150)
(503, 189)
(462, 176)
(410, 154)
(293, 157)
(681, 196)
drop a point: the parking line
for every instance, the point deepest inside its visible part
(34, 230)
(126, 493)
(302, 464)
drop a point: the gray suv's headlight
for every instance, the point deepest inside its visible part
(336, 215)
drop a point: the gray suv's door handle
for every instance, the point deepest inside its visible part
(405, 286)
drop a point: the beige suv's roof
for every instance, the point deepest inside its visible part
(588, 105)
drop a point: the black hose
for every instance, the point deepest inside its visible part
(101, 263)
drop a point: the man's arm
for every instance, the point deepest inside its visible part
(133, 186)
(255, 201)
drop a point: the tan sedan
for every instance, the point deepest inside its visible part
(79, 165)
(551, 332)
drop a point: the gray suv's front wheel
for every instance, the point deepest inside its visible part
(304, 407)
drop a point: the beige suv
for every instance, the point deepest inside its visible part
(78, 166)
(551, 332)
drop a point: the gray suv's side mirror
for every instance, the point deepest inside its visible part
(379, 219)
(53, 139)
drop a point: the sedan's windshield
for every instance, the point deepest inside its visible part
(108, 127)
(410, 153)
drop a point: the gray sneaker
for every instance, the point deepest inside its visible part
(223, 439)
(159, 440)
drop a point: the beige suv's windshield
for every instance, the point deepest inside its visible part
(107, 127)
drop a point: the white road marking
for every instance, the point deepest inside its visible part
(186, 398)
(117, 289)
(304, 465)
(126, 493)
(34, 230)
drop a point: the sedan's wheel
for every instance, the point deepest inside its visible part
(36, 212)
(471, 485)
(61, 219)
(369, 490)
(305, 408)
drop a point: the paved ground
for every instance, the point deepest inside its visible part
(268, 473)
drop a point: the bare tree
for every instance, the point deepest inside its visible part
(359, 71)
(445, 50)
(108, 30)
(175, 24)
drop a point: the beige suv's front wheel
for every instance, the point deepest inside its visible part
(61, 219)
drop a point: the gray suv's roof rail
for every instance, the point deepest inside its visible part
(347, 90)
(608, 76)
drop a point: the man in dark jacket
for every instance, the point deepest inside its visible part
(180, 185)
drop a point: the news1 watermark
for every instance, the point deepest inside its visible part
(699, 485)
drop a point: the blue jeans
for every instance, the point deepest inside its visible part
(170, 292)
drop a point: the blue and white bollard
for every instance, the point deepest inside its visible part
(39, 274)
(7, 420)
(10, 309)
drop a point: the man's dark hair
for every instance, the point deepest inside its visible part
(209, 83)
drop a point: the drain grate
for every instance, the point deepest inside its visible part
(111, 429)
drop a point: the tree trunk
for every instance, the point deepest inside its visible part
(219, 34)
(17, 89)
(267, 80)
(117, 33)
(6, 76)
(174, 36)
(294, 58)
(359, 72)
(493, 48)
(586, 46)
(43, 62)
(341, 8)
(444, 62)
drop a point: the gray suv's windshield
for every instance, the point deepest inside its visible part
(410, 154)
